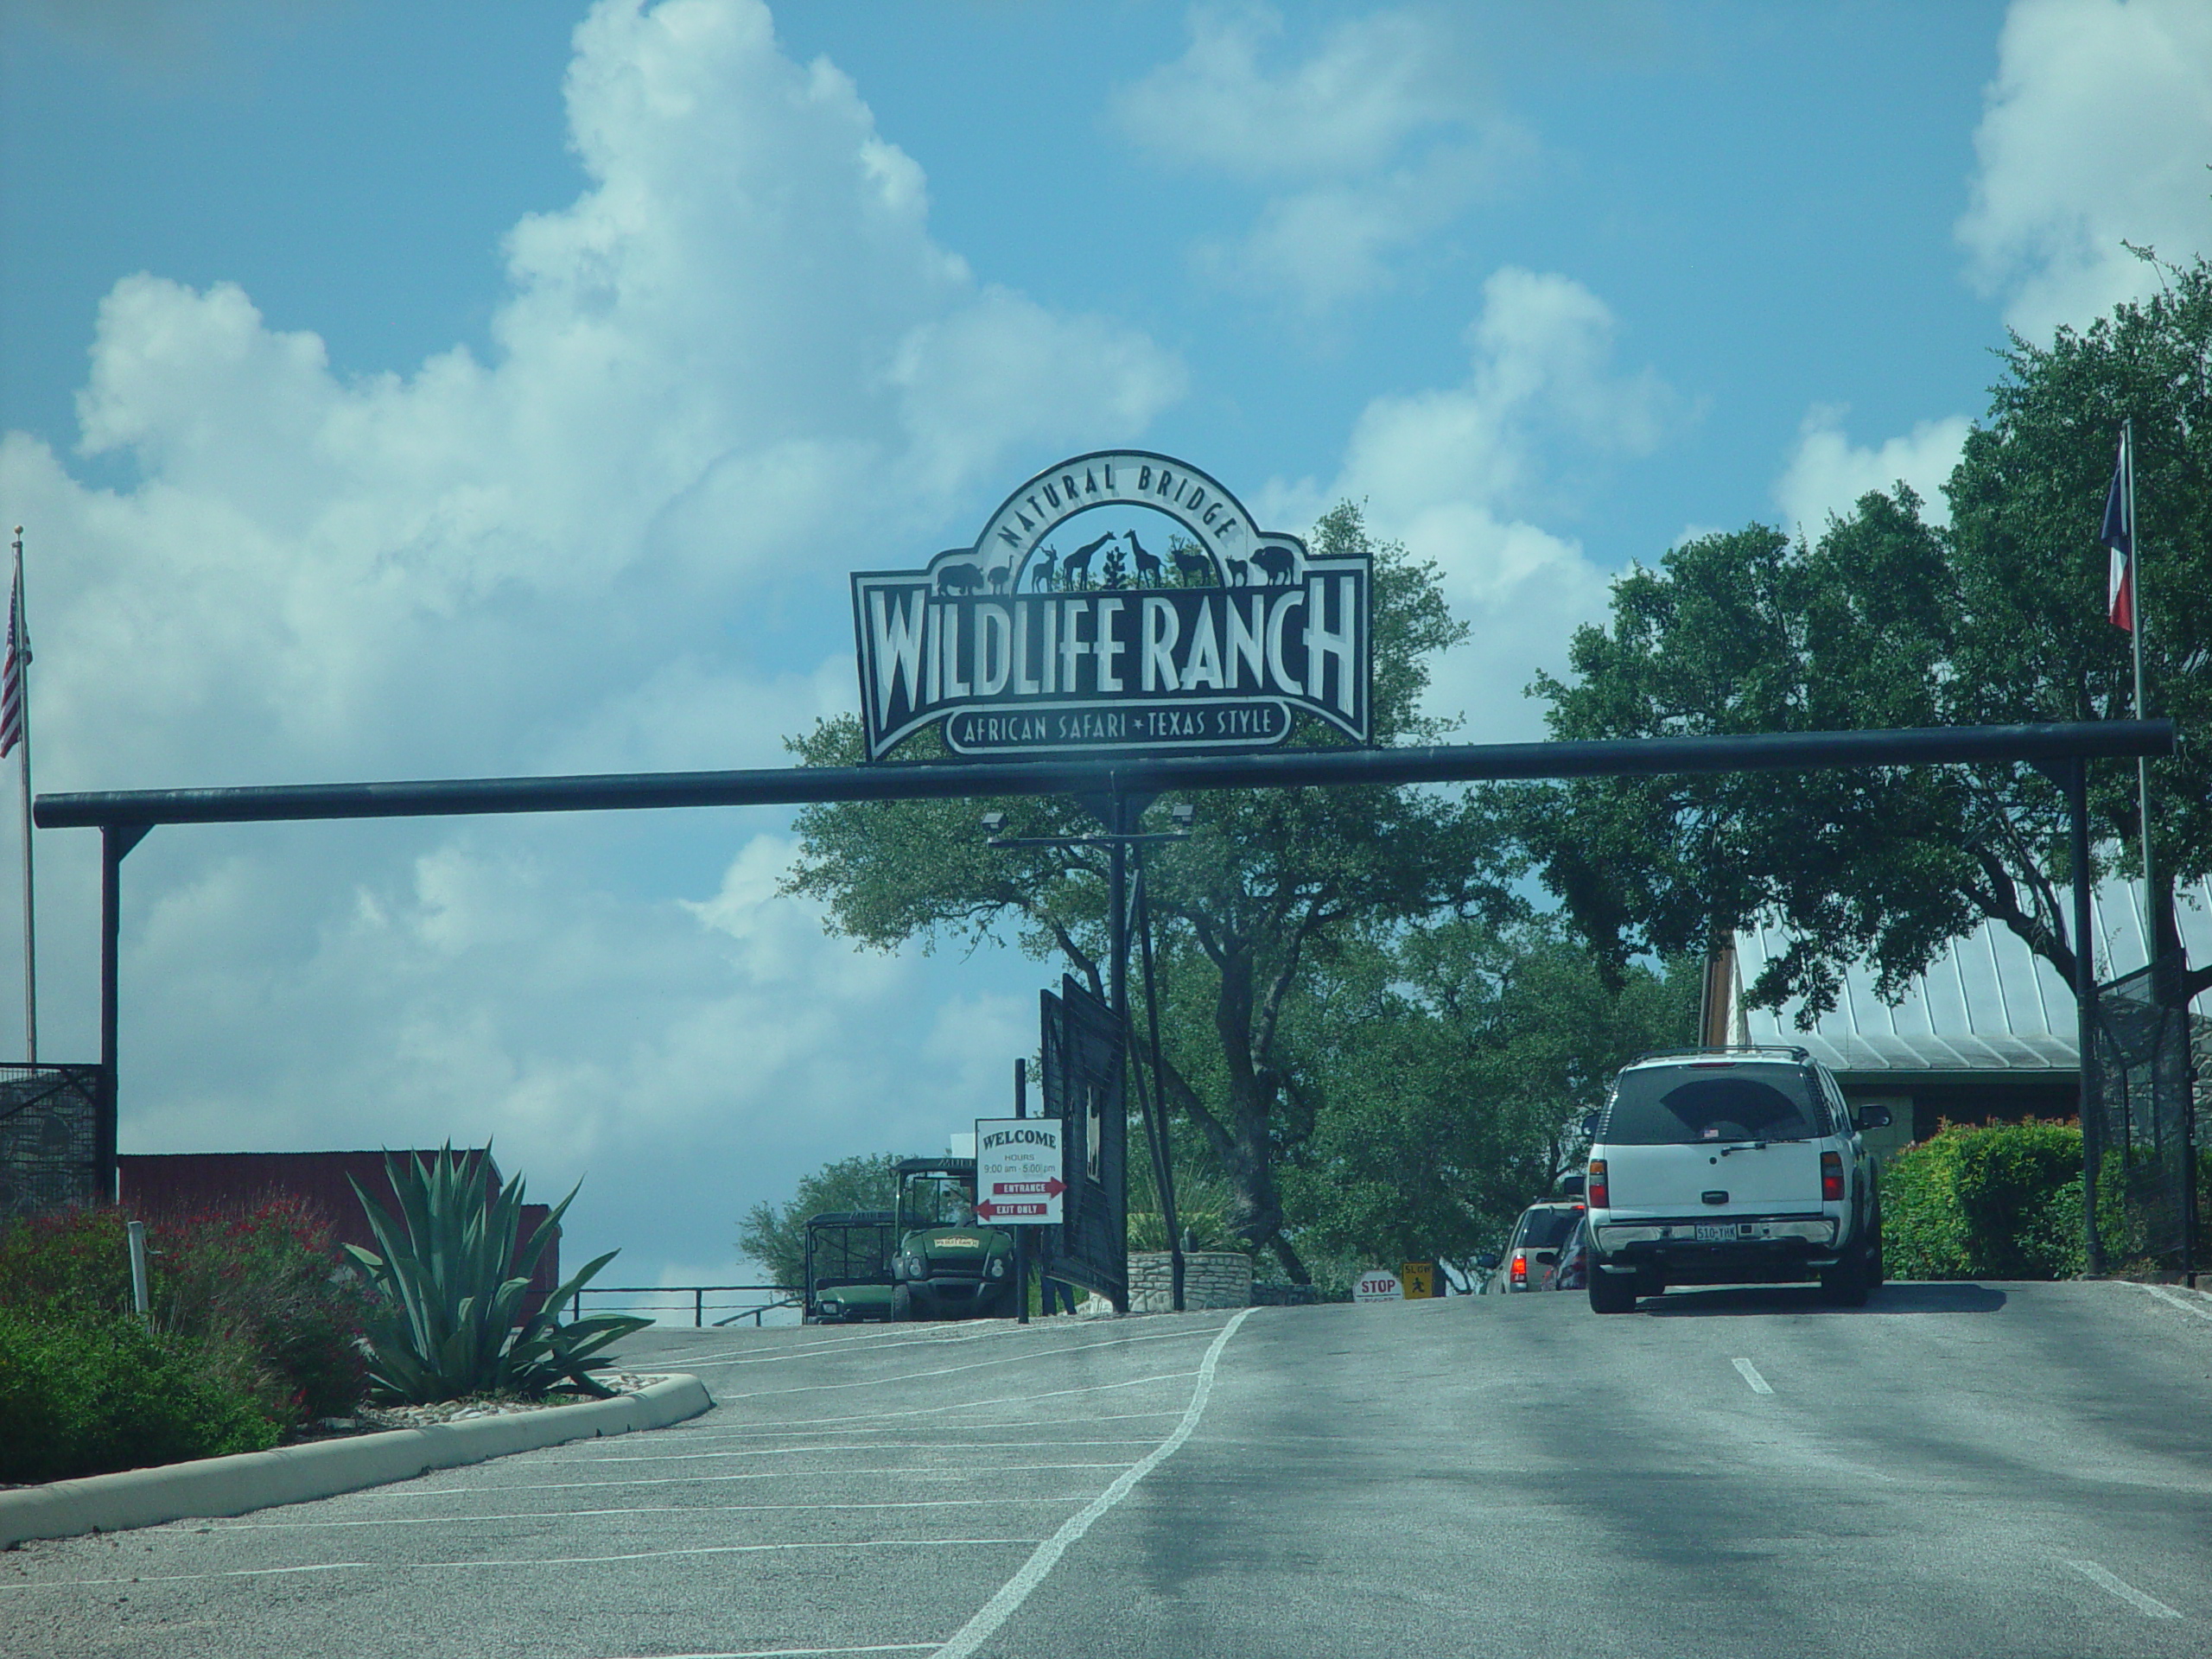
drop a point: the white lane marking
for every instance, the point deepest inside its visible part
(552, 1560)
(762, 1432)
(2149, 1607)
(834, 1345)
(953, 1371)
(798, 1653)
(1751, 1375)
(805, 1451)
(935, 1473)
(1016, 1590)
(189, 1530)
(2186, 1306)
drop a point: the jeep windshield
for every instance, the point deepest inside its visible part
(1670, 1106)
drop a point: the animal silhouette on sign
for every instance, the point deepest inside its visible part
(1277, 562)
(959, 579)
(1040, 572)
(1148, 564)
(1189, 562)
(997, 577)
(1078, 563)
(1240, 573)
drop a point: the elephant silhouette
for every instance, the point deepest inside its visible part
(959, 579)
(1240, 573)
(1078, 563)
(996, 576)
(1148, 564)
(1277, 562)
(1191, 563)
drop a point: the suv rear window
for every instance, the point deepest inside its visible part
(1668, 1106)
(1543, 1230)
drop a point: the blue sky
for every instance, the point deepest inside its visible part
(404, 390)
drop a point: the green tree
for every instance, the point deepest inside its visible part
(1450, 1071)
(1888, 620)
(1270, 882)
(774, 1235)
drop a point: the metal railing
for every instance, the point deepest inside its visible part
(785, 1297)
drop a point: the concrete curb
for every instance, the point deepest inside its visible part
(293, 1474)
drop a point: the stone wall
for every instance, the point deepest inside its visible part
(1210, 1279)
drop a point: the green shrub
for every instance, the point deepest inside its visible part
(103, 1392)
(261, 1292)
(1991, 1201)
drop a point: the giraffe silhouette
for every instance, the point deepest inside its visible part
(1078, 563)
(1148, 564)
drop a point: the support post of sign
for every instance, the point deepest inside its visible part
(1163, 1160)
(1021, 1234)
(116, 841)
(1117, 984)
(2077, 774)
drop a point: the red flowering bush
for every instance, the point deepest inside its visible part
(256, 1302)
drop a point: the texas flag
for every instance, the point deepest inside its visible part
(2118, 535)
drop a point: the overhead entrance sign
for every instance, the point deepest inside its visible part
(1019, 1171)
(1062, 631)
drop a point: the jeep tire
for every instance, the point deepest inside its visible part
(1847, 1283)
(902, 1304)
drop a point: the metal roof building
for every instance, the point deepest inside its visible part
(1987, 1032)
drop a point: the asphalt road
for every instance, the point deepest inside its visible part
(1955, 1470)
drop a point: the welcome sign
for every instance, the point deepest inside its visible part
(1062, 629)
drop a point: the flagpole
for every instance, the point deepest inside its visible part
(30, 905)
(2152, 932)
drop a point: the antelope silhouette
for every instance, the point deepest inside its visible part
(1040, 572)
(1277, 562)
(1147, 566)
(1190, 562)
(1078, 563)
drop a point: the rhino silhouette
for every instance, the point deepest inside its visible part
(1277, 562)
(959, 579)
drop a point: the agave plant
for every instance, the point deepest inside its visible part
(451, 1283)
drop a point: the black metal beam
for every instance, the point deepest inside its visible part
(794, 785)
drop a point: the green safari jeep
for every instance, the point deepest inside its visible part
(948, 1267)
(848, 1267)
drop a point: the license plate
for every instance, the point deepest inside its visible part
(1715, 1232)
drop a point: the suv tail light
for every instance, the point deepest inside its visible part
(1520, 1266)
(1831, 1178)
(1593, 1186)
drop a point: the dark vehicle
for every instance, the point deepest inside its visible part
(948, 1266)
(1572, 1271)
(1533, 1252)
(1732, 1167)
(848, 1267)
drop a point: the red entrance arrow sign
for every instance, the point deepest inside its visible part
(1050, 1189)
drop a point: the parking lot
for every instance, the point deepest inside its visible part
(1960, 1469)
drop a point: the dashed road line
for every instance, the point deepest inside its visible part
(2149, 1607)
(1751, 1375)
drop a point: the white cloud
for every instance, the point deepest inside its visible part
(734, 366)
(1381, 137)
(1827, 473)
(2098, 128)
(1456, 475)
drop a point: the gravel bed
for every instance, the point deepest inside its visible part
(370, 1419)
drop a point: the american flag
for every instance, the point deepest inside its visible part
(2117, 534)
(11, 671)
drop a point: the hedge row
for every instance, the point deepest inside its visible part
(255, 1329)
(2002, 1201)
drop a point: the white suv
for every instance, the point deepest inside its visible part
(1728, 1167)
